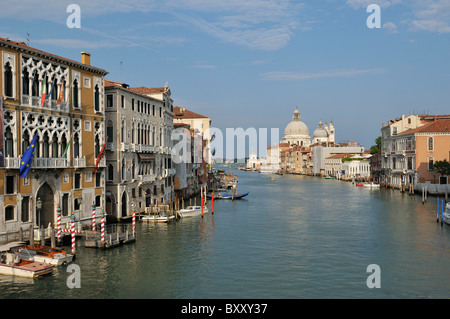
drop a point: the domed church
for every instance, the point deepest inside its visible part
(297, 133)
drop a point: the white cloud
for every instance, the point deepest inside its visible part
(258, 24)
(390, 27)
(358, 4)
(432, 16)
(280, 76)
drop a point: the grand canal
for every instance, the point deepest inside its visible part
(293, 237)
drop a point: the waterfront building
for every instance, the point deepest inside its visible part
(416, 151)
(139, 165)
(253, 162)
(192, 172)
(199, 123)
(61, 102)
(400, 159)
(320, 153)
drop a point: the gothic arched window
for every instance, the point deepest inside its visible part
(8, 80)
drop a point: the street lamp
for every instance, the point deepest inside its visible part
(39, 207)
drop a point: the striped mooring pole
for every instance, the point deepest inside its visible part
(133, 207)
(73, 232)
(437, 209)
(93, 216)
(103, 226)
(58, 222)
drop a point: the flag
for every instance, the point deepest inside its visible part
(213, 137)
(100, 155)
(67, 148)
(43, 94)
(61, 94)
(50, 93)
(213, 151)
(27, 158)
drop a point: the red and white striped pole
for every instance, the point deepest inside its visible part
(93, 216)
(103, 226)
(133, 207)
(58, 221)
(73, 232)
(202, 200)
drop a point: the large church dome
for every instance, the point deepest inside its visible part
(296, 132)
(296, 127)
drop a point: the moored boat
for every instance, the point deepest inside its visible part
(228, 196)
(158, 218)
(371, 185)
(11, 263)
(45, 254)
(191, 211)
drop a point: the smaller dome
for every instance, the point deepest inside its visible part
(320, 131)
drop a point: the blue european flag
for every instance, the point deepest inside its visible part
(27, 158)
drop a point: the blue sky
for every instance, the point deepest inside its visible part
(250, 63)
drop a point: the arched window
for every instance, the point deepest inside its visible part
(75, 94)
(97, 99)
(63, 146)
(54, 146)
(9, 143)
(8, 80)
(35, 85)
(25, 140)
(54, 90)
(430, 144)
(76, 146)
(26, 82)
(45, 146)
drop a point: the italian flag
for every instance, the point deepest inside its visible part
(43, 93)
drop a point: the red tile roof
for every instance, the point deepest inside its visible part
(146, 90)
(24, 46)
(438, 126)
(183, 113)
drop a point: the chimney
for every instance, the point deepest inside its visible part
(86, 58)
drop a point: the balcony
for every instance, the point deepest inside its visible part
(110, 146)
(146, 178)
(50, 163)
(124, 146)
(12, 162)
(35, 101)
(79, 162)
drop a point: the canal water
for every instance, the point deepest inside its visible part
(293, 237)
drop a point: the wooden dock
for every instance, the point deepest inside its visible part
(116, 235)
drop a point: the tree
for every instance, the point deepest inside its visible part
(442, 167)
(376, 149)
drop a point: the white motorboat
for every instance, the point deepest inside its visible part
(158, 218)
(191, 211)
(11, 264)
(45, 254)
(371, 185)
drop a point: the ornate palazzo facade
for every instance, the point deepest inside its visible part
(69, 123)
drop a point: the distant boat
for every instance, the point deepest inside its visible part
(228, 196)
(368, 185)
(192, 211)
(329, 177)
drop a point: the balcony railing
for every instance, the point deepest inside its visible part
(12, 162)
(35, 101)
(124, 146)
(147, 178)
(50, 162)
(79, 162)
